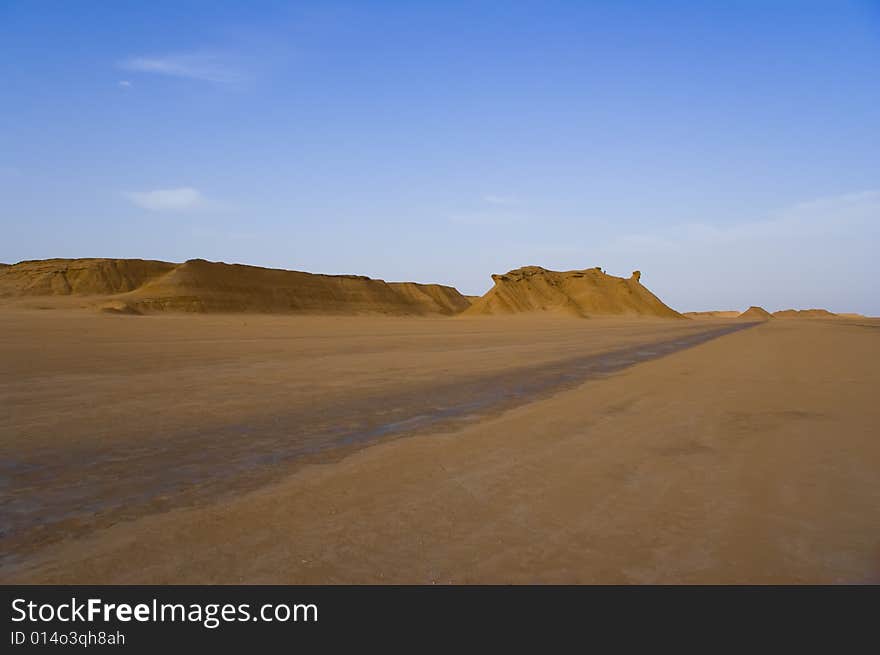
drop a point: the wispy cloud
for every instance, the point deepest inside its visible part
(220, 234)
(834, 215)
(208, 67)
(500, 211)
(494, 199)
(180, 199)
(811, 254)
(125, 84)
(487, 218)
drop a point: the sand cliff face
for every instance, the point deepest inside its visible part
(92, 277)
(137, 286)
(576, 293)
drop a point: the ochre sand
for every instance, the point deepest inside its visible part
(750, 458)
(112, 417)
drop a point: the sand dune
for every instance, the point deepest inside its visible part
(804, 313)
(576, 293)
(756, 313)
(761, 313)
(135, 286)
(714, 314)
(201, 286)
(436, 298)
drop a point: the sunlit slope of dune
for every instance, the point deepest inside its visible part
(576, 293)
(434, 297)
(756, 313)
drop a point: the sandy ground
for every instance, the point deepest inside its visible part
(750, 458)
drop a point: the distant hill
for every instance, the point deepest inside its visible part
(756, 313)
(139, 286)
(713, 314)
(576, 293)
(804, 313)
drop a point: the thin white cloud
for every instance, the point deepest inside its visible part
(180, 199)
(493, 199)
(223, 234)
(125, 84)
(207, 67)
(834, 215)
(811, 254)
(487, 218)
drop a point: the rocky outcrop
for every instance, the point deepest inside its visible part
(588, 292)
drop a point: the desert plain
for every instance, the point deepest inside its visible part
(507, 444)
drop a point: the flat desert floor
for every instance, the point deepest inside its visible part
(277, 449)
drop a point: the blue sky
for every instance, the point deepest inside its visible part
(729, 150)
